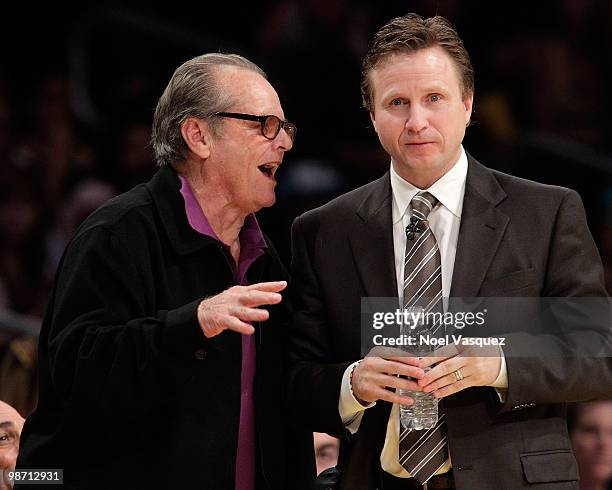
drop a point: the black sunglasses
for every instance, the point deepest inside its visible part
(270, 124)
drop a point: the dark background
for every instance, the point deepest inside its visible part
(78, 87)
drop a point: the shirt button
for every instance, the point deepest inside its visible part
(200, 354)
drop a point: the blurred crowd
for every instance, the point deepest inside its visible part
(77, 95)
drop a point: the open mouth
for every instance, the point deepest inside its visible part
(268, 169)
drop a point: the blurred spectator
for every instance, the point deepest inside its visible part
(606, 239)
(50, 143)
(555, 72)
(21, 250)
(326, 451)
(11, 424)
(590, 426)
(134, 155)
(319, 43)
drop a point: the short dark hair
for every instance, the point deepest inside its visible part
(410, 33)
(193, 91)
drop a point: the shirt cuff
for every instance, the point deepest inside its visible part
(350, 409)
(501, 382)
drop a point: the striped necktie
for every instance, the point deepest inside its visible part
(423, 452)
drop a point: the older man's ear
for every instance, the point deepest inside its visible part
(197, 136)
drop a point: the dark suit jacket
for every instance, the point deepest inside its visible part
(517, 238)
(132, 394)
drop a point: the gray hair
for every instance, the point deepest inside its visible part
(193, 91)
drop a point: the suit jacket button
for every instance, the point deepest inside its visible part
(200, 354)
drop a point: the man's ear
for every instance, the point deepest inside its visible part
(468, 103)
(373, 119)
(197, 136)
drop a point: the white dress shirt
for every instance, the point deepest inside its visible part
(444, 221)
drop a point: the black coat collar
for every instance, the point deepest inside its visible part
(164, 188)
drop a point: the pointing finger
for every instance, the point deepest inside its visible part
(258, 298)
(273, 286)
(251, 314)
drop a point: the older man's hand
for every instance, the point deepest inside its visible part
(377, 376)
(234, 307)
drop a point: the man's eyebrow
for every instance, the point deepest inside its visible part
(7, 425)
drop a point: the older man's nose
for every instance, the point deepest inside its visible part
(283, 140)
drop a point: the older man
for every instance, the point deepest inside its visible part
(439, 224)
(160, 354)
(11, 424)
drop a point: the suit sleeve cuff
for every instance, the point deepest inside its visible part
(183, 334)
(501, 382)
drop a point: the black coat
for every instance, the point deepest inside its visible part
(132, 394)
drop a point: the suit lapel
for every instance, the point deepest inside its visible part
(482, 227)
(371, 241)
(481, 230)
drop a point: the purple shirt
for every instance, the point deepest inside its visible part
(252, 245)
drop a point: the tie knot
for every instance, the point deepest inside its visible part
(422, 204)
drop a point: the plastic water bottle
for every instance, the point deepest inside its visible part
(423, 414)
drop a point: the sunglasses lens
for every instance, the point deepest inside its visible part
(291, 130)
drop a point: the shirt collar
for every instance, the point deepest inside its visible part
(251, 236)
(448, 189)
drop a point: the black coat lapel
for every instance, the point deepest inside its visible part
(371, 241)
(482, 227)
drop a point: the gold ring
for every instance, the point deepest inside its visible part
(458, 374)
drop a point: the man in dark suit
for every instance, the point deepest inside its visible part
(470, 231)
(161, 353)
